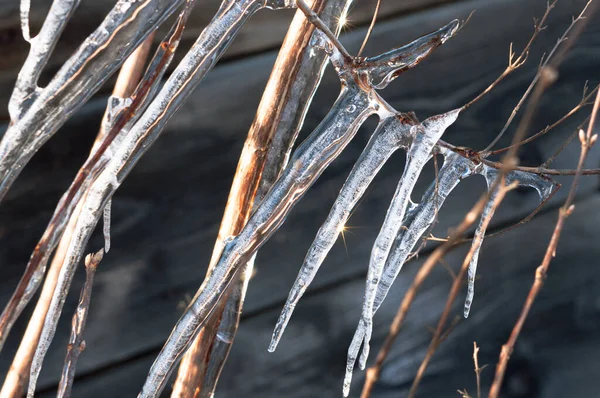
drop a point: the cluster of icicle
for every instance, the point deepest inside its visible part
(405, 222)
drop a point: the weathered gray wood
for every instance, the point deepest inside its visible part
(166, 215)
(310, 359)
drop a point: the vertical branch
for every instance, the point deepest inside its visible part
(76, 342)
(280, 115)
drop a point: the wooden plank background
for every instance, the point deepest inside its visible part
(166, 216)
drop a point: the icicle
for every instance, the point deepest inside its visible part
(419, 220)
(488, 211)
(427, 135)
(544, 188)
(106, 226)
(391, 133)
(24, 12)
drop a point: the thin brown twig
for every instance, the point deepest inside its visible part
(515, 63)
(478, 369)
(371, 26)
(456, 285)
(544, 171)
(545, 130)
(551, 62)
(314, 19)
(587, 140)
(565, 143)
(76, 342)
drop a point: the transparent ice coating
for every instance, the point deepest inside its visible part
(46, 110)
(416, 222)
(421, 218)
(391, 134)
(101, 153)
(419, 153)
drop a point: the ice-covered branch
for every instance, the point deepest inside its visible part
(294, 79)
(124, 28)
(121, 112)
(355, 103)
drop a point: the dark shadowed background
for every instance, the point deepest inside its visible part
(167, 213)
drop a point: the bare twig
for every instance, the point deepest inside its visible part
(587, 140)
(565, 143)
(477, 368)
(76, 342)
(545, 130)
(371, 26)
(515, 63)
(551, 62)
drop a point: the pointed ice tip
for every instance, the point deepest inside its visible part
(443, 121)
(382, 69)
(274, 341)
(466, 312)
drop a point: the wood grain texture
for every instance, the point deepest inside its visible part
(166, 217)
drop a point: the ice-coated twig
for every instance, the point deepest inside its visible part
(355, 103)
(422, 217)
(120, 112)
(426, 136)
(391, 134)
(42, 46)
(76, 342)
(123, 29)
(91, 211)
